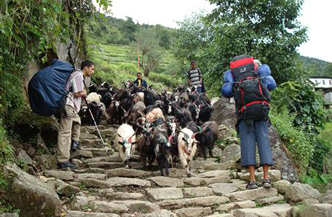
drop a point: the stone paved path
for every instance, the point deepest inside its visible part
(102, 187)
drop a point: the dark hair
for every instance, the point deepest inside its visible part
(193, 61)
(87, 63)
(139, 73)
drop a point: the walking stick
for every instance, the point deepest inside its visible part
(94, 121)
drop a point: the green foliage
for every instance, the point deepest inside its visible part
(315, 179)
(110, 30)
(149, 50)
(267, 30)
(6, 152)
(317, 67)
(303, 102)
(321, 155)
(297, 142)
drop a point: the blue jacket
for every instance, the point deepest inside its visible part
(143, 83)
(263, 71)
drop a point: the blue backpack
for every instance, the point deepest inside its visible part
(47, 88)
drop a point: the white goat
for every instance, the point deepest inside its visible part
(125, 142)
(187, 146)
(93, 97)
(154, 114)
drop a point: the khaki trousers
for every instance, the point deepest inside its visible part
(69, 130)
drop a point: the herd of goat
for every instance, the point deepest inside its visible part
(160, 126)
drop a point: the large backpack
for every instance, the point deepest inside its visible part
(47, 88)
(251, 95)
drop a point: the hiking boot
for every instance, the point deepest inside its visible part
(252, 185)
(67, 165)
(266, 183)
(75, 146)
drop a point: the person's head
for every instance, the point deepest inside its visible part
(139, 75)
(88, 68)
(257, 62)
(193, 64)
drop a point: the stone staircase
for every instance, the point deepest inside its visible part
(102, 187)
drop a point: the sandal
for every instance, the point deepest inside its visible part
(266, 183)
(252, 185)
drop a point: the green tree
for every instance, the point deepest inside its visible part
(267, 29)
(149, 50)
(129, 29)
(328, 70)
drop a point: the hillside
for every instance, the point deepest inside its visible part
(117, 63)
(316, 66)
(113, 47)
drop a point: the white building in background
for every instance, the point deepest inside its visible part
(324, 83)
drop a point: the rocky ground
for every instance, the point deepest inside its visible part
(102, 187)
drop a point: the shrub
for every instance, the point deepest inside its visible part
(298, 143)
(302, 102)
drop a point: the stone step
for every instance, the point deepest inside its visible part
(221, 215)
(81, 154)
(254, 194)
(106, 165)
(90, 214)
(236, 205)
(223, 188)
(88, 136)
(91, 143)
(270, 200)
(94, 183)
(197, 192)
(123, 182)
(269, 211)
(90, 170)
(197, 181)
(165, 193)
(138, 206)
(122, 196)
(163, 181)
(98, 152)
(215, 173)
(108, 207)
(63, 175)
(199, 201)
(98, 176)
(92, 129)
(123, 172)
(193, 211)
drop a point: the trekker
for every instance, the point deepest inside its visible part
(250, 82)
(70, 121)
(195, 78)
(139, 82)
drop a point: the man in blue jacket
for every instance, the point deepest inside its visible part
(252, 131)
(139, 82)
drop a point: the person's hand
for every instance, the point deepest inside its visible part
(83, 94)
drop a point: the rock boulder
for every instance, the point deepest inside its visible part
(32, 196)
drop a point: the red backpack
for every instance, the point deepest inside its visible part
(251, 94)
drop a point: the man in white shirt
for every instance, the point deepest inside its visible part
(70, 121)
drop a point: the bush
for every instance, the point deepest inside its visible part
(165, 79)
(302, 102)
(6, 152)
(298, 143)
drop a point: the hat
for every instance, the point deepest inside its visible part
(257, 62)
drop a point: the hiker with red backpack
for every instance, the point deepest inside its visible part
(249, 82)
